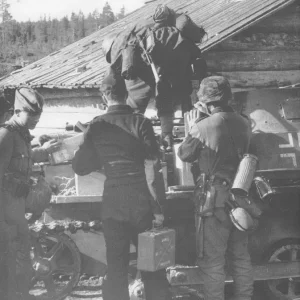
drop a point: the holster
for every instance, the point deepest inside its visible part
(16, 187)
(205, 195)
(204, 199)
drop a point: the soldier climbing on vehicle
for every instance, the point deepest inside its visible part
(158, 58)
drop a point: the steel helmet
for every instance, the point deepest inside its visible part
(242, 219)
(107, 44)
(214, 89)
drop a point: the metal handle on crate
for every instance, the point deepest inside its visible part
(156, 227)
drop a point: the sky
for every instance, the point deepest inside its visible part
(23, 10)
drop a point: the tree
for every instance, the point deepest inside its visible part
(4, 14)
(107, 16)
(81, 28)
(121, 14)
(30, 41)
(74, 26)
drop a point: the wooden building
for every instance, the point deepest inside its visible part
(254, 43)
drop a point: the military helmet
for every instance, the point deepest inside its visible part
(107, 44)
(164, 15)
(214, 89)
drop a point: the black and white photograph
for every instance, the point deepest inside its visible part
(150, 150)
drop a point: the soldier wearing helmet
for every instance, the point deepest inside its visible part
(16, 158)
(216, 143)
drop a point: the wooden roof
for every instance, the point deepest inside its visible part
(82, 64)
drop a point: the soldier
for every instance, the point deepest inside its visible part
(123, 143)
(175, 57)
(16, 158)
(217, 142)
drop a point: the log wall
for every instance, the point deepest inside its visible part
(266, 55)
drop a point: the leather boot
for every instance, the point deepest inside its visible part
(166, 122)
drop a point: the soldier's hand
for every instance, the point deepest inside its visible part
(51, 146)
(192, 117)
(159, 219)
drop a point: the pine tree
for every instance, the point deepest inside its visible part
(107, 16)
(121, 14)
(29, 41)
(4, 14)
(81, 28)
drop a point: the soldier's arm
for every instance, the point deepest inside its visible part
(190, 148)
(86, 159)
(6, 150)
(153, 168)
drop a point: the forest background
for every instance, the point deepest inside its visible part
(22, 43)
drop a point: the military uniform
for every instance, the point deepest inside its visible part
(216, 143)
(16, 157)
(173, 56)
(123, 143)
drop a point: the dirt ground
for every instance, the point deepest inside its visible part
(91, 290)
(87, 289)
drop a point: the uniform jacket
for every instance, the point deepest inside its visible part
(217, 143)
(124, 144)
(16, 155)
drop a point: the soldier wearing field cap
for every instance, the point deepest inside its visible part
(16, 159)
(216, 143)
(123, 142)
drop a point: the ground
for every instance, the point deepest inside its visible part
(90, 289)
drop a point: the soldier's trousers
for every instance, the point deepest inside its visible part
(224, 243)
(18, 259)
(118, 236)
(4, 252)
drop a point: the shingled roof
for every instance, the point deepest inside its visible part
(82, 64)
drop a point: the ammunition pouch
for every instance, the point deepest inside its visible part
(16, 187)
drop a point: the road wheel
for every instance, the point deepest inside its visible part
(56, 263)
(284, 289)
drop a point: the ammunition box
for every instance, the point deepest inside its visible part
(67, 149)
(156, 250)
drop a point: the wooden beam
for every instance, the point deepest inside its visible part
(263, 79)
(286, 20)
(260, 42)
(228, 61)
(73, 105)
(58, 94)
(76, 199)
(271, 271)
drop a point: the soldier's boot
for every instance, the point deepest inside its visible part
(166, 122)
(25, 272)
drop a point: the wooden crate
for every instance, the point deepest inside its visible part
(90, 185)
